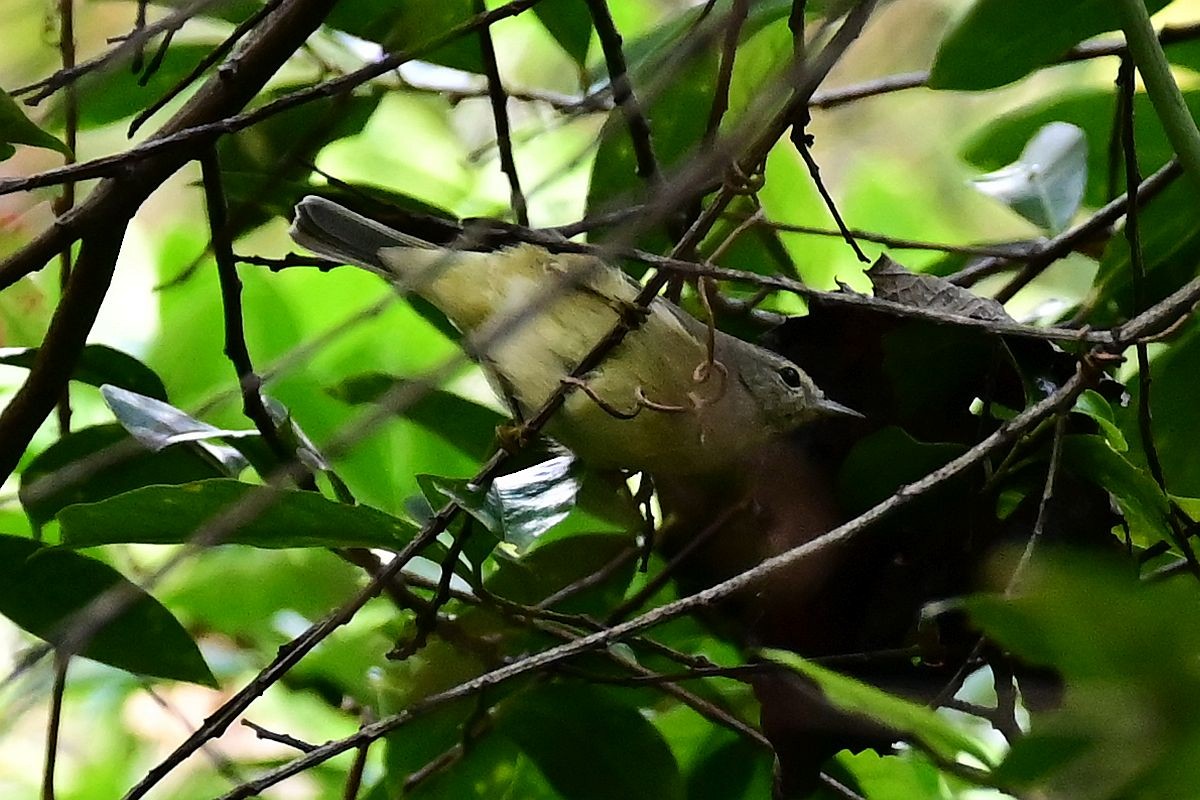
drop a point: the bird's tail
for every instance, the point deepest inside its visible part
(337, 233)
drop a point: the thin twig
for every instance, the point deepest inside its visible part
(66, 201)
(622, 88)
(54, 723)
(1014, 250)
(143, 33)
(204, 64)
(720, 104)
(499, 102)
(1138, 267)
(268, 735)
(236, 350)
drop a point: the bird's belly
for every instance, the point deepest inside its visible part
(655, 362)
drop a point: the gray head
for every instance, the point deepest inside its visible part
(783, 393)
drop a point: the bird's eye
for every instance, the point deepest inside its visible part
(790, 376)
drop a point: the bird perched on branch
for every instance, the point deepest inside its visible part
(674, 396)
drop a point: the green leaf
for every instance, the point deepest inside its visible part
(1169, 230)
(1091, 403)
(468, 426)
(174, 515)
(1129, 721)
(1141, 500)
(1173, 412)
(677, 110)
(42, 588)
(581, 738)
(734, 769)
(16, 128)
(912, 720)
(99, 364)
(902, 775)
(883, 461)
(75, 470)
(268, 163)
(569, 23)
(560, 563)
(999, 41)
(117, 92)
(410, 26)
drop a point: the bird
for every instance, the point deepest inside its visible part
(675, 396)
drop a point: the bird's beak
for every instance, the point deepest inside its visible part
(829, 408)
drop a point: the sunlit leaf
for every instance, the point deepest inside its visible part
(1001, 139)
(1093, 404)
(1141, 499)
(521, 506)
(910, 719)
(1045, 185)
(157, 424)
(16, 128)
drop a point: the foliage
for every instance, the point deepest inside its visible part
(245, 488)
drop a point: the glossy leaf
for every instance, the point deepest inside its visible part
(157, 425)
(280, 518)
(1020, 37)
(42, 588)
(1093, 404)
(99, 364)
(1002, 139)
(1045, 185)
(521, 506)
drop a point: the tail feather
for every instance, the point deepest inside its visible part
(337, 233)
